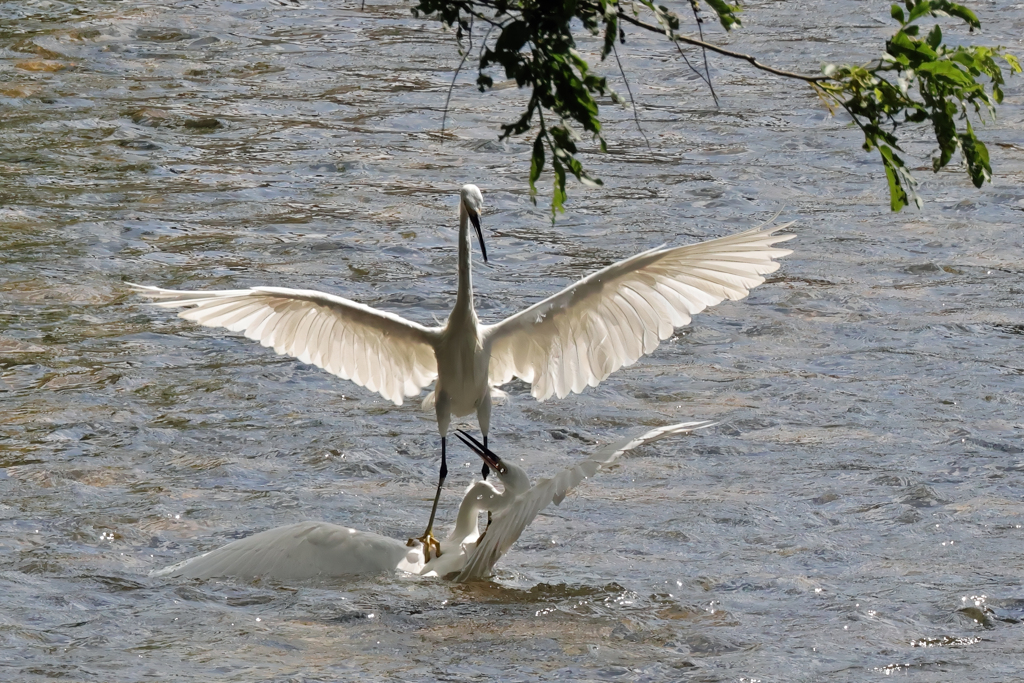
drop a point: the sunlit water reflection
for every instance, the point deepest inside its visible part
(857, 514)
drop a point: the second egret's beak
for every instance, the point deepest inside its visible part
(475, 220)
(485, 453)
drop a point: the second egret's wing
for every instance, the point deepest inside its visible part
(297, 552)
(609, 319)
(508, 524)
(380, 351)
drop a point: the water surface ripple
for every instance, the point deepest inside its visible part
(857, 513)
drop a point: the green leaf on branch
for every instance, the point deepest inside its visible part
(897, 193)
(948, 71)
(726, 13)
(558, 195)
(976, 155)
(902, 186)
(536, 165)
(958, 11)
(918, 10)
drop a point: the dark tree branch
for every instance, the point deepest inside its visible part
(636, 116)
(810, 78)
(703, 51)
(448, 98)
(706, 79)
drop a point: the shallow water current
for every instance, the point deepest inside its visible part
(857, 513)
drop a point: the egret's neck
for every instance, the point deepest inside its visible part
(464, 298)
(479, 497)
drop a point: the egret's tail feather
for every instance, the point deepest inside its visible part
(428, 401)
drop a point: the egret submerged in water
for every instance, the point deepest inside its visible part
(562, 344)
(320, 550)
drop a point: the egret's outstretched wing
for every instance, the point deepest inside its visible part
(609, 319)
(381, 351)
(508, 524)
(297, 552)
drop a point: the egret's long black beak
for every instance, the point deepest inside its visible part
(475, 219)
(485, 453)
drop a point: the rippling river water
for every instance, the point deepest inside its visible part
(857, 513)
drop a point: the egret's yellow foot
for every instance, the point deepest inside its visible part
(428, 541)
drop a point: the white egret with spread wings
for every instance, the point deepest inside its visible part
(562, 344)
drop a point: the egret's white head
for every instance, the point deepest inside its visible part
(473, 203)
(513, 476)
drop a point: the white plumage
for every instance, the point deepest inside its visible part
(301, 552)
(320, 550)
(609, 319)
(375, 349)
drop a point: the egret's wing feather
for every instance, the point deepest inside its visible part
(612, 317)
(256, 555)
(381, 351)
(272, 553)
(296, 552)
(507, 524)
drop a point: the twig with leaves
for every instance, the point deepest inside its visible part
(915, 80)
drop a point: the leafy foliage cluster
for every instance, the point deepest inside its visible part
(916, 79)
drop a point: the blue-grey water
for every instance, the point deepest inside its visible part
(858, 512)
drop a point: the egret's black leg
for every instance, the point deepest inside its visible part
(486, 469)
(427, 539)
(444, 463)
